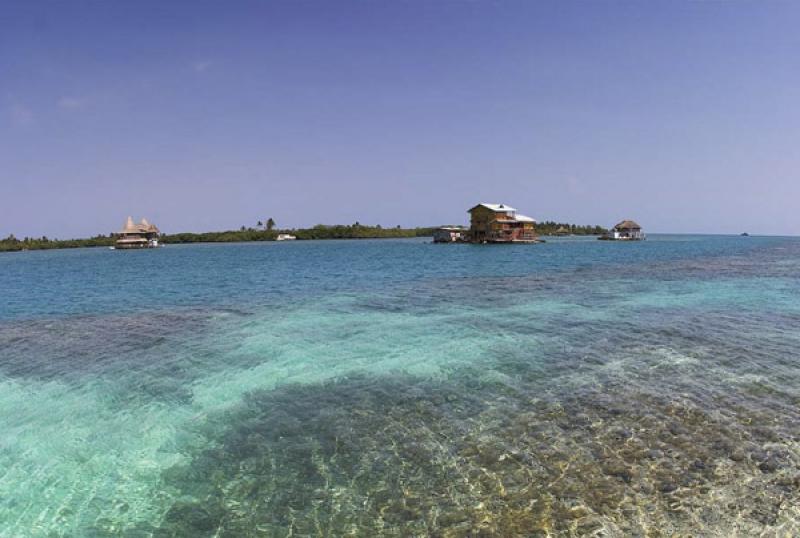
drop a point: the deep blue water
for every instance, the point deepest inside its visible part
(397, 388)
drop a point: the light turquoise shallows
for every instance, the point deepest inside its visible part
(399, 387)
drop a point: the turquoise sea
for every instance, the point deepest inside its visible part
(402, 388)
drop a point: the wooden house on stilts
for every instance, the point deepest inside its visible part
(500, 223)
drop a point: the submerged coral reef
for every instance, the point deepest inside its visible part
(394, 456)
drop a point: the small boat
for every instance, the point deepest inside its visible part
(285, 237)
(745, 234)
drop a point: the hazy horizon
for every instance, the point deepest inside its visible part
(202, 117)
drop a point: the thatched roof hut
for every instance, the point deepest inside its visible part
(562, 231)
(627, 230)
(628, 226)
(142, 235)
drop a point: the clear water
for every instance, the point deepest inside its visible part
(401, 388)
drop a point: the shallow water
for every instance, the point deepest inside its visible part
(396, 388)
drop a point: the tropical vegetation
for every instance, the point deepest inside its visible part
(549, 227)
(268, 232)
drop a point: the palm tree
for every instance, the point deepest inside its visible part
(270, 224)
(260, 224)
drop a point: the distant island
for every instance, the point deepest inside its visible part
(244, 234)
(549, 227)
(268, 232)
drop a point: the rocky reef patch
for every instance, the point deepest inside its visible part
(397, 456)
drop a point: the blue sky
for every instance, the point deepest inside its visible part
(209, 115)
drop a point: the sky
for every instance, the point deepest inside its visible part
(200, 116)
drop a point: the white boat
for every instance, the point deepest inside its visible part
(285, 237)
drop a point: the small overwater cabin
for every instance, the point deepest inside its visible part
(562, 231)
(449, 234)
(500, 223)
(627, 230)
(142, 235)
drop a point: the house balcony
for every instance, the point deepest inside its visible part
(510, 236)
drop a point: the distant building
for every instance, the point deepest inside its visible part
(627, 230)
(449, 234)
(499, 223)
(142, 235)
(562, 231)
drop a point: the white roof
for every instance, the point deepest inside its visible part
(524, 218)
(498, 207)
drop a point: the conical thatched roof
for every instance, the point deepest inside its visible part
(142, 227)
(627, 225)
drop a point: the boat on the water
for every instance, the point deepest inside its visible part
(285, 237)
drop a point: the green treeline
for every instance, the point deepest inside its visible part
(320, 231)
(358, 231)
(11, 243)
(231, 236)
(549, 227)
(268, 233)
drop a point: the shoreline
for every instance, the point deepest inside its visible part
(247, 235)
(110, 242)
